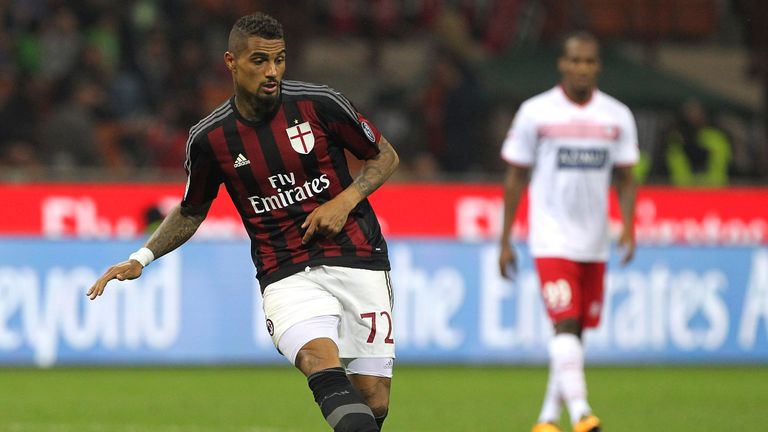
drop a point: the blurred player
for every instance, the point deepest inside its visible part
(568, 140)
(322, 263)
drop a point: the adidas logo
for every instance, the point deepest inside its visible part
(241, 161)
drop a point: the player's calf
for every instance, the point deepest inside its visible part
(342, 406)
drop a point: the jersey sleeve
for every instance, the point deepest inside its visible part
(519, 147)
(627, 152)
(203, 173)
(349, 128)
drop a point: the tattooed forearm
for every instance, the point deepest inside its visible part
(175, 230)
(377, 170)
(370, 179)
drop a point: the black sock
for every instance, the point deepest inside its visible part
(341, 405)
(380, 420)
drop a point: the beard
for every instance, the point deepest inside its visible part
(268, 101)
(259, 102)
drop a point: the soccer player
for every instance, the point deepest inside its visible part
(322, 263)
(567, 140)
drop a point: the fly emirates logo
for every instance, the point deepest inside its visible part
(288, 192)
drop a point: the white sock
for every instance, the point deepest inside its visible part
(567, 356)
(553, 403)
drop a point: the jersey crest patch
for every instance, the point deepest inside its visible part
(368, 132)
(301, 137)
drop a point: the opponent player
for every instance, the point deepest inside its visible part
(568, 140)
(322, 263)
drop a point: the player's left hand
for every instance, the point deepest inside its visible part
(627, 242)
(326, 220)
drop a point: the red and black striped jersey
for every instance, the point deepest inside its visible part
(278, 170)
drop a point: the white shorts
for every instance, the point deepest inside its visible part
(362, 299)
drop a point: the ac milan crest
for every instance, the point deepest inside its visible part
(302, 139)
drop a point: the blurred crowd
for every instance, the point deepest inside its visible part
(99, 84)
(94, 88)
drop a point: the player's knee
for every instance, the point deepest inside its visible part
(314, 357)
(570, 326)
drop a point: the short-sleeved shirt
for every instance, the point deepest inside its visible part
(278, 170)
(572, 149)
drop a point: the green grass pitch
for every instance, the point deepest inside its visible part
(424, 399)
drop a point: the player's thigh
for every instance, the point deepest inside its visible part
(312, 344)
(296, 299)
(367, 324)
(593, 288)
(560, 284)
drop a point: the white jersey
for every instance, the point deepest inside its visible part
(572, 149)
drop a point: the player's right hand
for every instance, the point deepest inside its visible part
(507, 262)
(125, 270)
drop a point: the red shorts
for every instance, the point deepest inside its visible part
(572, 289)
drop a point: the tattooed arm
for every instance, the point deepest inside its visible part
(328, 219)
(178, 227)
(376, 171)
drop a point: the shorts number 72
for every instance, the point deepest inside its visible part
(372, 316)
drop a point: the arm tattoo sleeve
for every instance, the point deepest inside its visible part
(176, 229)
(377, 170)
